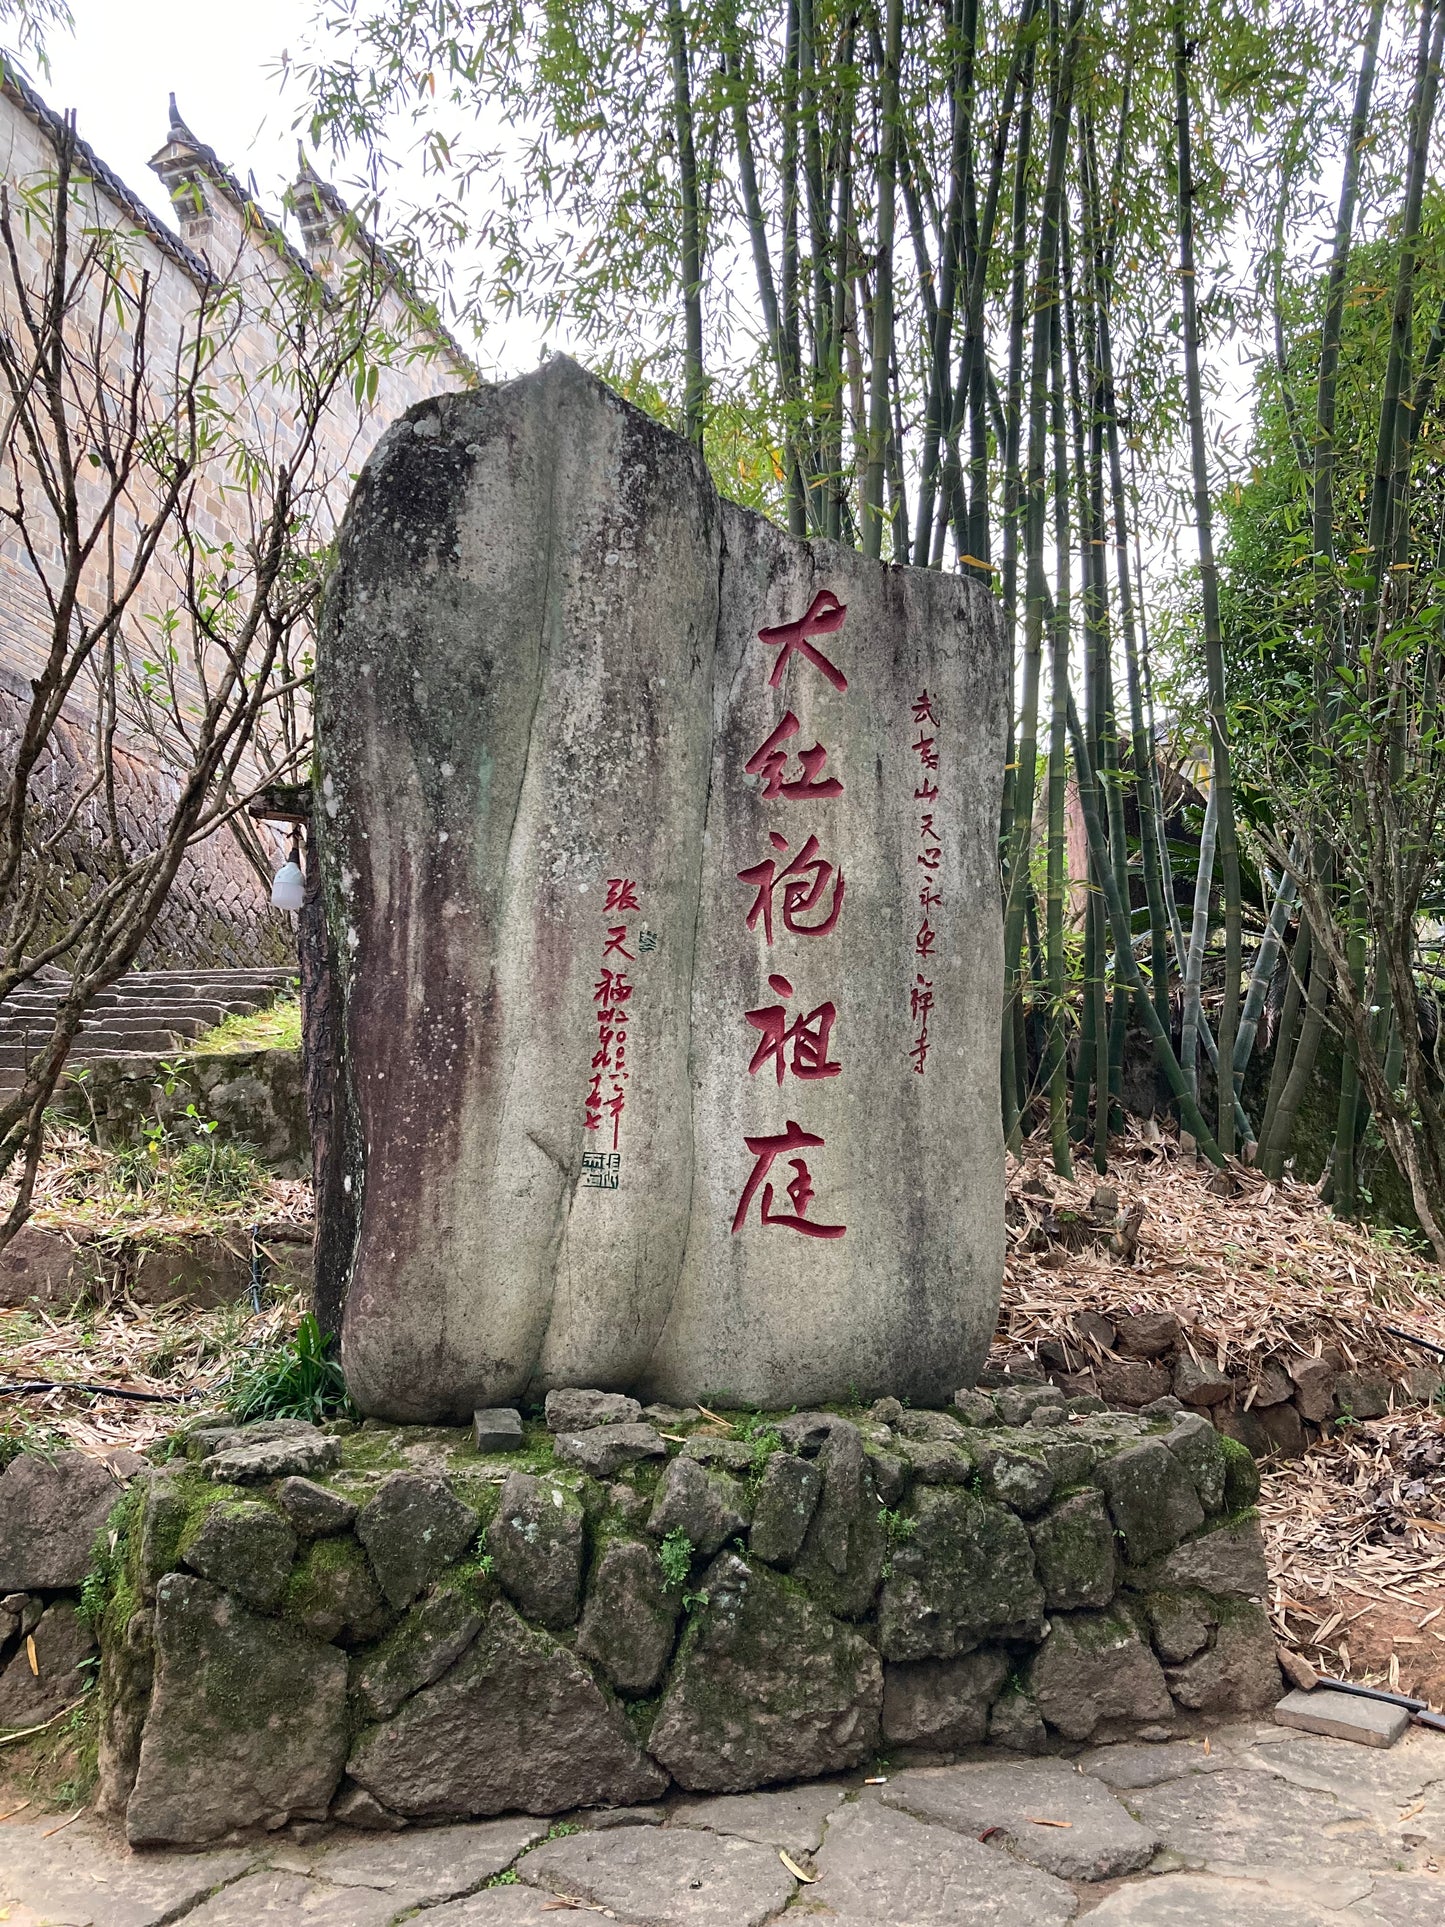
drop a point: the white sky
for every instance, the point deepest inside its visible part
(219, 57)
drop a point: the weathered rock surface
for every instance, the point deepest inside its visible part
(966, 1575)
(572, 1409)
(1015, 1479)
(1230, 1559)
(515, 1723)
(429, 1866)
(1092, 1836)
(766, 1687)
(247, 1723)
(792, 1818)
(537, 1540)
(63, 1643)
(245, 1547)
(313, 1510)
(940, 1705)
(707, 1507)
(630, 1619)
(1238, 1673)
(50, 1512)
(1074, 1550)
(497, 1428)
(882, 1868)
(332, 1594)
(1179, 1624)
(1095, 1667)
(251, 1459)
(604, 1451)
(539, 683)
(787, 1499)
(1196, 1445)
(666, 1878)
(411, 1529)
(1151, 1497)
(841, 1561)
(1132, 1765)
(434, 1634)
(70, 1874)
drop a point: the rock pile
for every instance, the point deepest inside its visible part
(390, 1625)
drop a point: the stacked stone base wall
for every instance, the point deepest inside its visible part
(390, 1626)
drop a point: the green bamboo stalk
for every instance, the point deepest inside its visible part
(693, 377)
(1209, 588)
(879, 414)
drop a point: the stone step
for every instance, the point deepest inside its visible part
(192, 1011)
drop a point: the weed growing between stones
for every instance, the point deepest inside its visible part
(299, 1378)
(898, 1529)
(675, 1555)
(511, 1878)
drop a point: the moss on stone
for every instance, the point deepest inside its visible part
(1241, 1474)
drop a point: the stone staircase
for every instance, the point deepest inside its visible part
(146, 1011)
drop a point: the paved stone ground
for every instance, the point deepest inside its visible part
(1269, 1828)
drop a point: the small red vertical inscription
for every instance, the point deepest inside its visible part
(930, 859)
(612, 997)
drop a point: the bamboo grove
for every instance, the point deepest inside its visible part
(959, 282)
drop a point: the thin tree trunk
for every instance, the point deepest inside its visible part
(691, 227)
(879, 411)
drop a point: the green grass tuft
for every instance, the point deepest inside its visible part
(300, 1378)
(278, 1028)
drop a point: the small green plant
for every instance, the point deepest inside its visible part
(691, 1599)
(898, 1529)
(301, 1378)
(561, 1828)
(675, 1557)
(510, 1878)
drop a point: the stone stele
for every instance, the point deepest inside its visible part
(668, 944)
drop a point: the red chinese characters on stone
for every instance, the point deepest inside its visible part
(771, 760)
(825, 616)
(799, 1192)
(805, 884)
(809, 1037)
(930, 861)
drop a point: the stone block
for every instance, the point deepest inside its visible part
(253, 1458)
(1273, 1386)
(516, 1724)
(1151, 1498)
(844, 1548)
(201, 1271)
(1275, 1432)
(549, 652)
(1179, 1624)
(1343, 1716)
(43, 1268)
(537, 1540)
(60, 1676)
(1238, 1672)
(1196, 1445)
(940, 1705)
(630, 1619)
(1229, 1559)
(976, 1408)
(247, 1723)
(411, 1529)
(1145, 1334)
(51, 1510)
(245, 1547)
(940, 1427)
(314, 1511)
(1019, 1480)
(433, 1635)
(787, 1499)
(1314, 1387)
(1093, 1669)
(707, 1507)
(645, 1874)
(1200, 1382)
(1017, 1404)
(497, 1428)
(1361, 1395)
(571, 1409)
(332, 1594)
(1074, 1552)
(965, 1576)
(603, 1451)
(803, 1694)
(1014, 1722)
(1130, 1381)
(936, 1463)
(1241, 1475)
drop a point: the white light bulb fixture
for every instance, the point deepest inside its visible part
(288, 886)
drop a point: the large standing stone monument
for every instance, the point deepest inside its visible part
(659, 854)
